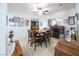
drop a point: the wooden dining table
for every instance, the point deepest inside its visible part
(39, 33)
(40, 37)
(40, 30)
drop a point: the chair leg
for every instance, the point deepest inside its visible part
(46, 44)
(31, 44)
(41, 44)
(34, 46)
(49, 40)
(28, 40)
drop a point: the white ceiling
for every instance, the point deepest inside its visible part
(28, 8)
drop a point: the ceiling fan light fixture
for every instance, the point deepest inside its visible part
(60, 4)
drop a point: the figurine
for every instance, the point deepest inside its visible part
(11, 36)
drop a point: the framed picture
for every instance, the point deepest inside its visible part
(16, 19)
(11, 20)
(49, 22)
(26, 22)
(71, 20)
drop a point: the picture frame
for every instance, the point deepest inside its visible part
(16, 19)
(11, 20)
(71, 20)
(49, 22)
(26, 22)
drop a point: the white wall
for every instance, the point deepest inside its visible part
(59, 15)
(64, 14)
(3, 13)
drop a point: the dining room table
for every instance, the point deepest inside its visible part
(40, 37)
(38, 30)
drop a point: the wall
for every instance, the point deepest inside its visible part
(63, 14)
(3, 13)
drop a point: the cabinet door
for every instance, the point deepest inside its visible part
(34, 24)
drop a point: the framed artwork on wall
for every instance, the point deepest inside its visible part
(16, 21)
(49, 22)
(71, 20)
(26, 22)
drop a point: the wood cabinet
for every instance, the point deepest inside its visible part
(57, 30)
(34, 25)
(64, 48)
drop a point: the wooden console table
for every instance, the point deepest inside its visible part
(64, 48)
(17, 50)
(56, 31)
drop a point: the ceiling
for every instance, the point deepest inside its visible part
(29, 8)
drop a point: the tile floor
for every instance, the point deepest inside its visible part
(40, 51)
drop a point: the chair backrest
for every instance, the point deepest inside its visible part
(36, 34)
(29, 33)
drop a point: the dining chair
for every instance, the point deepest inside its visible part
(36, 40)
(47, 36)
(29, 36)
(51, 33)
(39, 39)
(43, 39)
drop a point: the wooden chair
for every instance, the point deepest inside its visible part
(47, 37)
(39, 39)
(36, 40)
(43, 39)
(29, 36)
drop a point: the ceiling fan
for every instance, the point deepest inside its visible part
(42, 11)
